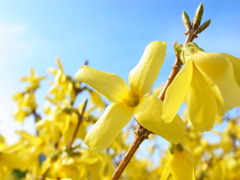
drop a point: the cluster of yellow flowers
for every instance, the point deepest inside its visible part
(26, 99)
(209, 83)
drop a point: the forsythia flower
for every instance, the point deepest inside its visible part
(26, 105)
(182, 165)
(211, 84)
(33, 79)
(63, 86)
(127, 102)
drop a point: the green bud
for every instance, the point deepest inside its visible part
(204, 26)
(198, 16)
(177, 48)
(186, 20)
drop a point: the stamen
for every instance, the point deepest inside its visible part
(131, 99)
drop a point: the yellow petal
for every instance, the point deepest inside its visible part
(11, 160)
(148, 114)
(59, 64)
(236, 65)
(176, 92)
(218, 72)
(70, 171)
(221, 110)
(201, 103)
(110, 124)
(110, 85)
(165, 172)
(143, 75)
(96, 101)
(182, 165)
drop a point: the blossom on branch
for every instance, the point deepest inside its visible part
(210, 82)
(130, 100)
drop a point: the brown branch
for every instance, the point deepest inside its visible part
(140, 135)
(77, 92)
(191, 34)
(37, 117)
(175, 69)
(80, 119)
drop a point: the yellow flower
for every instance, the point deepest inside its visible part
(63, 86)
(209, 81)
(26, 104)
(9, 161)
(182, 165)
(33, 79)
(127, 102)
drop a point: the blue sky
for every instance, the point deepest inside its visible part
(110, 34)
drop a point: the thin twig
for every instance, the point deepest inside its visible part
(140, 135)
(78, 91)
(37, 117)
(175, 69)
(80, 119)
(191, 34)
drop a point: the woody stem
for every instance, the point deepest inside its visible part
(140, 135)
(177, 64)
(80, 119)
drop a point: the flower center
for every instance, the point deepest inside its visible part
(131, 98)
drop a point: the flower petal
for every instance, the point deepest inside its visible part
(218, 72)
(142, 77)
(11, 160)
(221, 110)
(176, 92)
(110, 85)
(236, 65)
(182, 165)
(148, 114)
(201, 103)
(110, 124)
